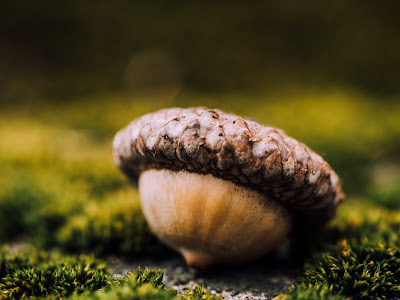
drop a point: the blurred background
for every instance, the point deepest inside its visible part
(73, 48)
(74, 72)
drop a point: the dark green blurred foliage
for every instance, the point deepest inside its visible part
(25, 212)
(28, 211)
(48, 218)
(387, 196)
(73, 47)
(15, 207)
(99, 180)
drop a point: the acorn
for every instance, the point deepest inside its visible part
(222, 189)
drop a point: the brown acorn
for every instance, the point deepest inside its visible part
(220, 188)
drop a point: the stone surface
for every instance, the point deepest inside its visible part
(263, 279)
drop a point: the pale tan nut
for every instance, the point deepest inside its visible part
(285, 174)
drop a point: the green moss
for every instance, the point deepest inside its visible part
(152, 277)
(48, 210)
(52, 275)
(29, 209)
(128, 291)
(43, 274)
(363, 271)
(388, 195)
(60, 188)
(15, 207)
(357, 256)
(317, 291)
(116, 226)
(145, 284)
(100, 179)
(198, 293)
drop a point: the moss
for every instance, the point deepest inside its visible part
(52, 275)
(15, 207)
(116, 226)
(43, 274)
(60, 188)
(387, 195)
(363, 271)
(197, 293)
(358, 256)
(145, 284)
(48, 211)
(311, 292)
(128, 290)
(29, 209)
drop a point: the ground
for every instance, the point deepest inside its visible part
(260, 280)
(61, 194)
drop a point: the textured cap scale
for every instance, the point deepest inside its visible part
(232, 148)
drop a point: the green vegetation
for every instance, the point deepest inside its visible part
(60, 191)
(357, 256)
(364, 262)
(114, 226)
(40, 274)
(317, 291)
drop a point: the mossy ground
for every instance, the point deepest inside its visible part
(61, 193)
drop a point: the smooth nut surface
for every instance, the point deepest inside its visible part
(211, 220)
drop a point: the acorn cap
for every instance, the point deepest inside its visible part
(232, 148)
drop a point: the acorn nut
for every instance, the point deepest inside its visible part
(220, 188)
